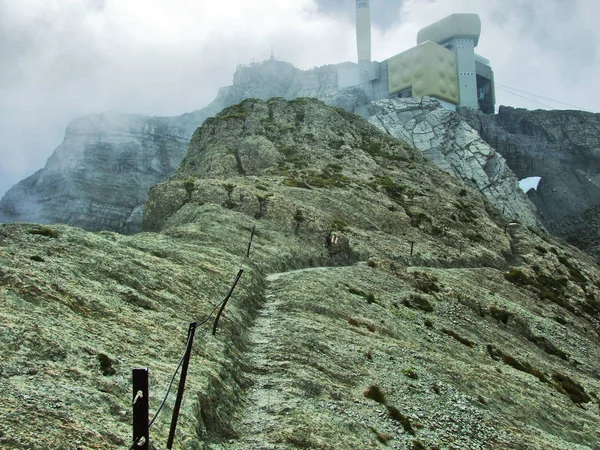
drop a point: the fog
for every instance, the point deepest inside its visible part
(61, 59)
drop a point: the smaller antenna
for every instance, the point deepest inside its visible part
(272, 52)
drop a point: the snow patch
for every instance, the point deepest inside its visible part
(526, 184)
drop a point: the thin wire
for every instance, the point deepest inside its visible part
(171, 383)
(526, 98)
(541, 96)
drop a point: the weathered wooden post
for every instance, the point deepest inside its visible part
(141, 428)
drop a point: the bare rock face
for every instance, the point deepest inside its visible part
(99, 176)
(455, 147)
(561, 147)
(382, 300)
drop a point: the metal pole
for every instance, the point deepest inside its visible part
(141, 429)
(179, 399)
(412, 244)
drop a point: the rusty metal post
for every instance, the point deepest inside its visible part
(182, 378)
(141, 429)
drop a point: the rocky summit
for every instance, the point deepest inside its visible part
(383, 303)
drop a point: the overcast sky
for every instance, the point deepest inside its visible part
(61, 59)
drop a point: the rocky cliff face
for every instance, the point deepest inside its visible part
(99, 176)
(454, 146)
(384, 304)
(562, 147)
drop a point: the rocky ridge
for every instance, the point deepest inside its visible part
(98, 178)
(561, 147)
(385, 304)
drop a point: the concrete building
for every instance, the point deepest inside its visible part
(443, 65)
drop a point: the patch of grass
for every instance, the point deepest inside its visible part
(374, 392)
(417, 445)
(326, 179)
(106, 365)
(189, 185)
(465, 211)
(352, 321)
(425, 282)
(384, 437)
(417, 301)
(521, 366)
(44, 231)
(395, 414)
(500, 314)
(410, 373)
(310, 388)
(292, 182)
(575, 273)
(369, 297)
(428, 323)
(460, 339)
(573, 389)
(263, 198)
(339, 224)
(548, 346)
(336, 145)
(517, 277)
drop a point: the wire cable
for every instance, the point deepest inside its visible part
(504, 87)
(522, 96)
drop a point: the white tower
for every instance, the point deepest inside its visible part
(363, 41)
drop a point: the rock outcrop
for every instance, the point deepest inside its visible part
(454, 146)
(561, 147)
(382, 301)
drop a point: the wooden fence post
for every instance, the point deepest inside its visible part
(141, 429)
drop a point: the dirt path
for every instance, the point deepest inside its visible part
(266, 399)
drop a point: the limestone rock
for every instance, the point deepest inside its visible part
(454, 146)
(99, 176)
